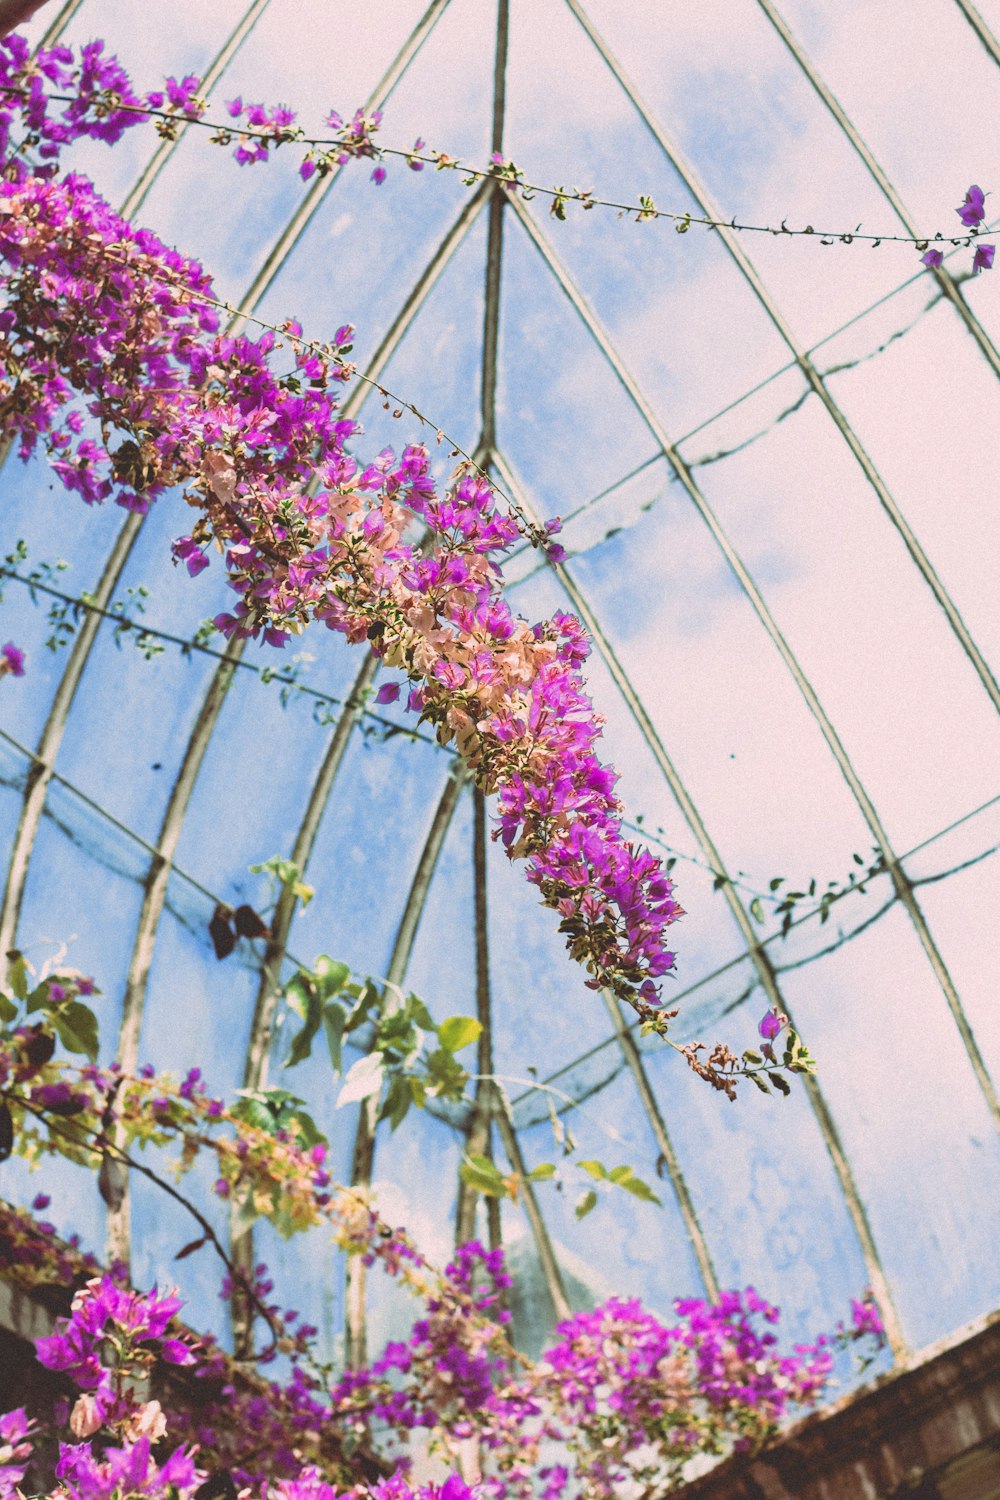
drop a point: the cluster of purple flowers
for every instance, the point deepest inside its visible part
(15, 1450)
(972, 212)
(112, 1334)
(11, 660)
(619, 1391)
(139, 350)
(623, 1396)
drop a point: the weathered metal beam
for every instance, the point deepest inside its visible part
(142, 187)
(154, 896)
(320, 186)
(650, 1104)
(981, 29)
(363, 1158)
(52, 736)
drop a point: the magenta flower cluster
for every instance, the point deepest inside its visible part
(11, 660)
(106, 331)
(619, 1398)
(111, 1333)
(15, 1450)
(972, 212)
(624, 1397)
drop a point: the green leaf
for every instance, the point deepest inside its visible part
(417, 1011)
(480, 1173)
(297, 992)
(38, 999)
(76, 1026)
(301, 1047)
(19, 977)
(397, 1101)
(334, 1017)
(780, 1082)
(543, 1172)
(362, 1079)
(254, 1112)
(331, 975)
(760, 1082)
(585, 1203)
(446, 1076)
(274, 1109)
(418, 1089)
(638, 1189)
(367, 997)
(773, 884)
(757, 909)
(595, 1169)
(751, 1056)
(458, 1032)
(8, 1010)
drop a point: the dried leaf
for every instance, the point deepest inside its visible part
(222, 935)
(112, 1181)
(248, 924)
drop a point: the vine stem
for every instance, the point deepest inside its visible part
(508, 175)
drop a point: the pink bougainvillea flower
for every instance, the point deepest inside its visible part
(983, 258)
(387, 693)
(932, 258)
(972, 210)
(867, 1318)
(772, 1023)
(12, 660)
(15, 1450)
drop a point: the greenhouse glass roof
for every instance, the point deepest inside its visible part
(775, 462)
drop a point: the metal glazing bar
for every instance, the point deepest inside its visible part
(479, 1134)
(220, 62)
(429, 277)
(363, 1159)
(650, 1104)
(153, 898)
(491, 319)
(755, 949)
(980, 27)
(494, 250)
(52, 736)
(801, 680)
(879, 177)
(546, 1255)
(749, 272)
(58, 24)
(269, 986)
(166, 846)
(320, 186)
(478, 1139)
